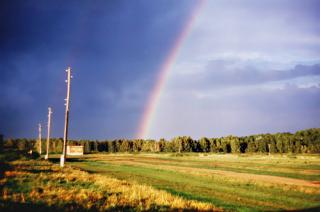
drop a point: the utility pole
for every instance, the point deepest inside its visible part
(40, 140)
(66, 123)
(48, 135)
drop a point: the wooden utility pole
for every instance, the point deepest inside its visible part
(48, 135)
(66, 123)
(40, 140)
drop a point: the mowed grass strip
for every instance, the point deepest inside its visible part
(274, 166)
(230, 175)
(40, 185)
(278, 165)
(311, 175)
(158, 179)
(229, 195)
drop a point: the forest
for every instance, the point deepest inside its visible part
(303, 141)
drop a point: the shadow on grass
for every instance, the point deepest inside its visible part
(307, 209)
(37, 171)
(18, 206)
(72, 206)
(11, 155)
(4, 167)
(225, 206)
(57, 160)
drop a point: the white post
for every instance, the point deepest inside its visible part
(40, 140)
(66, 124)
(48, 135)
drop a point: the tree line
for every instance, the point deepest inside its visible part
(303, 141)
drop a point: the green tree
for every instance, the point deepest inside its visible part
(112, 146)
(187, 144)
(251, 145)
(204, 144)
(162, 145)
(137, 145)
(169, 147)
(225, 145)
(235, 144)
(177, 144)
(213, 145)
(261, 143)
(125, 147)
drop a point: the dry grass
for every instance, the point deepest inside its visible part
(38, 182)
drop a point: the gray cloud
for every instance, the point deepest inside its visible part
(219, 74)
(226, 73)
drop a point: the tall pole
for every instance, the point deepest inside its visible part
(48, 135)
(66, 123)
(40, 140)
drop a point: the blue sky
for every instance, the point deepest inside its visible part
(245, 67)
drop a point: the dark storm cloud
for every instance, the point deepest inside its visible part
(114, 48)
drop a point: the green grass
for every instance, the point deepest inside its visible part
(231, 182)
(206, 189)
(229, 194)
(242, 167)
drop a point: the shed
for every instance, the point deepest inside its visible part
(75, 150)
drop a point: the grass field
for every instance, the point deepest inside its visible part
(38, 185)
(172, 181)
(231, 182)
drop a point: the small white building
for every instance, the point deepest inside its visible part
(75, 150)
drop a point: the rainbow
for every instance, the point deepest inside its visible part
(164, 72)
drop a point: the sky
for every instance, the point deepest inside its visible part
(164, 68)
